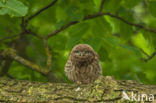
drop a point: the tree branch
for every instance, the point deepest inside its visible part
(25, 21)
(61, 29)
(41, 10)
(101, 6)
(98, 15)
(34, 34)
(130, 23)
(104, 90)
(9, 37)
(11, 53)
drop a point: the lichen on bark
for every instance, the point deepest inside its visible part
(103, 90)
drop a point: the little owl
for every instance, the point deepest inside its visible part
(83, 65)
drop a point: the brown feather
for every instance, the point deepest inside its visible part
(84, 68)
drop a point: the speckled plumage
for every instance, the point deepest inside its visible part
(83, 64)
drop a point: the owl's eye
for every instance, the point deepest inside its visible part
(76, 51)
(87, 52)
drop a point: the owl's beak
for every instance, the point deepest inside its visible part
(81, 54)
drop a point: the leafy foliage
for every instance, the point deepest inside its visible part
(120, 46)
(13, 8)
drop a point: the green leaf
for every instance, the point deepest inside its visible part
(100, 27)
(145, 41)
(3, 1)
(74, 13)
(13, 8)
(103, 54)
(3, 46)
(111, 5)
(21, 72)
(95, 42)
(118, 43)
(97, 3)
(130, 3)
(125, 31)
(76, 33)
(151, 7)
(59, 24)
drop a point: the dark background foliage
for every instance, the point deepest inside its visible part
(121, 32)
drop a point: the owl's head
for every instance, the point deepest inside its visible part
(82, 52)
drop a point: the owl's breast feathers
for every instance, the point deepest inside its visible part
(84, 72)
(83, 64)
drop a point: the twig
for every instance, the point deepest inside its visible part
(144, 52)
(23, 25)
(150, 57)
(17, 35)
(101, 6)
(98, 15)
(41, 10)
(49, 56)
(8, 37)
(61, 29)
(130, 23)
(33, 34)
(25, 21)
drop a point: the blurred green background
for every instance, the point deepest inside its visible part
(121, 47)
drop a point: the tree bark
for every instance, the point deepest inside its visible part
(103, 90)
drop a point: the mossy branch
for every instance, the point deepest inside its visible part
(103, 90)
(11, 53)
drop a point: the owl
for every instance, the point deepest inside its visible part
(83, 65)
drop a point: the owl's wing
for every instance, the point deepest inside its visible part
(68, 69)
(99, 69)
